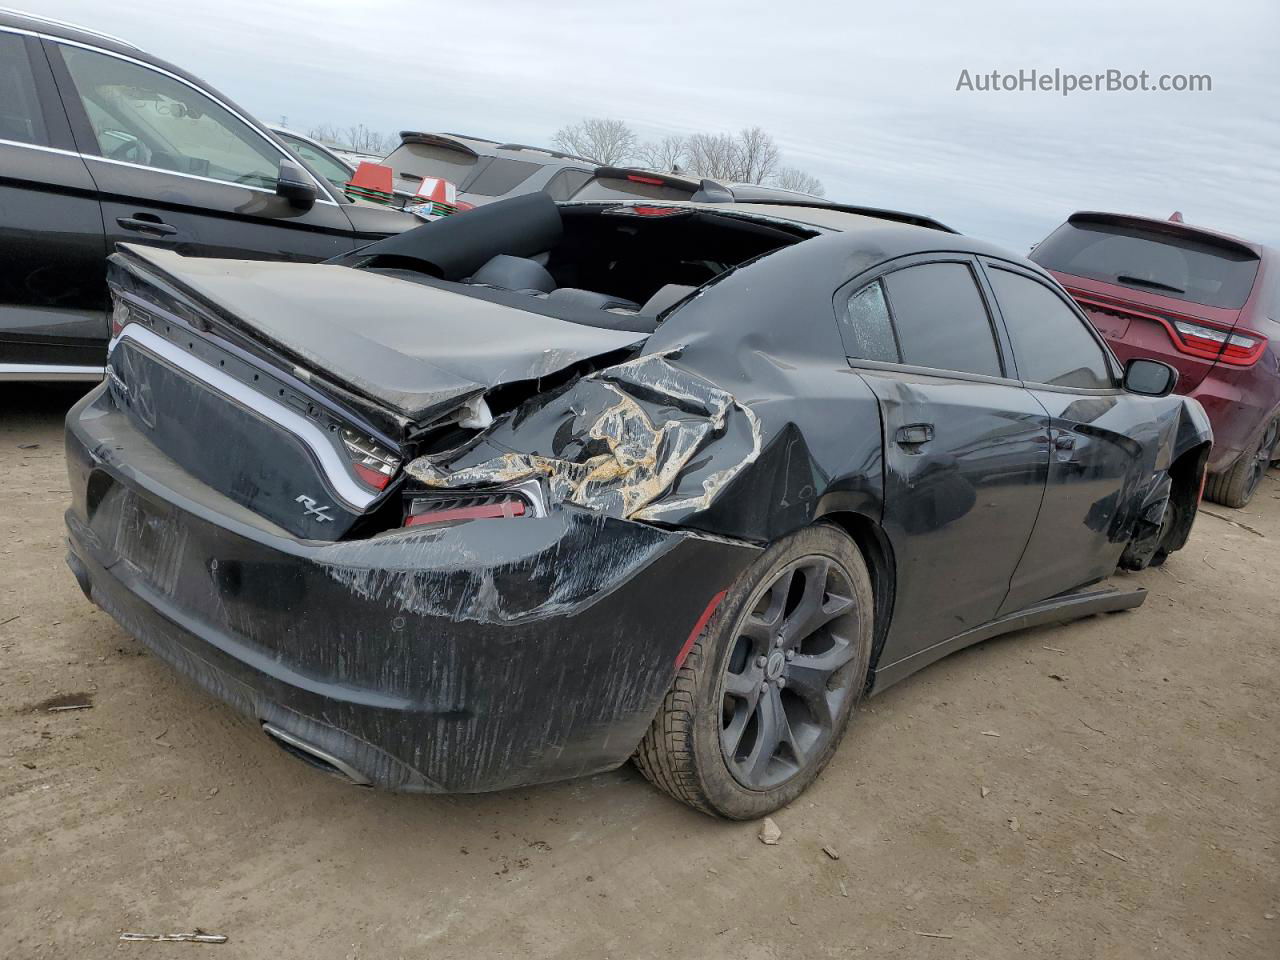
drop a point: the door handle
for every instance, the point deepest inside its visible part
(157, 227)
(914, 434)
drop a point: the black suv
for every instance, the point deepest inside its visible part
(101, 143)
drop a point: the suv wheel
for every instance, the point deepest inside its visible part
(1236, 486)
(763, 698)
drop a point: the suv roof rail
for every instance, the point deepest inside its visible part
(547, 150)
(68, 25)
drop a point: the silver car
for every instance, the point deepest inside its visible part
(485, 170)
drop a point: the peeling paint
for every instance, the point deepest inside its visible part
(637, 440)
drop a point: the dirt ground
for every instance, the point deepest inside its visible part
(1131, 762)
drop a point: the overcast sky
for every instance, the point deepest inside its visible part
(861, 95)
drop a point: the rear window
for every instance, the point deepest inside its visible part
(617, 188)
(426, 160)
(1171, 266)
(501, 176)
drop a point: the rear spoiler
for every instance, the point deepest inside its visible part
(436, 140)
(897, 216)
(1173, 228)
(712, 191)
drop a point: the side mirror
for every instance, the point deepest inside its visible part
(293, 183)
(1150, 378)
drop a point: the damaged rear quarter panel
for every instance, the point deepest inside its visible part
(741, 417)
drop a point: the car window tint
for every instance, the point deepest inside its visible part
(1151, 261)
(502, 175)
(566, 183)
(20, 118)
(145, 117)
(422, 160)
(866, 328)
(1050, 343)
(320, 162)
(941, 319)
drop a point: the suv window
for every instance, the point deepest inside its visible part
(1050, 343)
(941, 319)
(20, 118)
(500, 176)
(566, 183)
(1165, 264)
(145, 117)
(422, 160)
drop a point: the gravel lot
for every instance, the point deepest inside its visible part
(1132, 803)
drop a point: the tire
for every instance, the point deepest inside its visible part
(1236, 485)
(709, 745)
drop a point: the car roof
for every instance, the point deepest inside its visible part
(64, 30)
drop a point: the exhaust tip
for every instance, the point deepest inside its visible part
(313, 756)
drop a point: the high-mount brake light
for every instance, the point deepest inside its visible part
(374, 465)
(424, 510)
(652, 181)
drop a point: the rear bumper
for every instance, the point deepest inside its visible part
(477, 657)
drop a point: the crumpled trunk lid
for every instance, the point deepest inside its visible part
(298, 390)
(416, 349)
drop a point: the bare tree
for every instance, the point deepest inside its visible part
(757, 156)
(356, 136)
(713, 155)
(606, 141)
(793, 178)
(666, 155)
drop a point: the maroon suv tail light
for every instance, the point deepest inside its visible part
(1241, 348)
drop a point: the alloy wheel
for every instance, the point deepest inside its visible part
(785, 680)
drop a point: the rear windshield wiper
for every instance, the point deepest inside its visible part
(1153, 284)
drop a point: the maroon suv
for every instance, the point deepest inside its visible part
(1204, 302)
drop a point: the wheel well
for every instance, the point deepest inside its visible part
(878, 554)
(1185, 475)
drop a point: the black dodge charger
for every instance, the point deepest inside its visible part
(517, 496)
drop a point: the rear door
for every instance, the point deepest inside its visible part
(966, 446)
(1096, 430)
(53, 297)
(176, 167)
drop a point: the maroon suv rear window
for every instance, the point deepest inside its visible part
(1166, 264)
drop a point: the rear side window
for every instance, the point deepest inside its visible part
(1166, 264)
(941, 319)
(566, 183)
(1050, 342)
(866, 328)
(20, 118)
(502, 175)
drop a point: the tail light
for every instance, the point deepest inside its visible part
(453, 509)
(373, 464)
(1239, 348)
